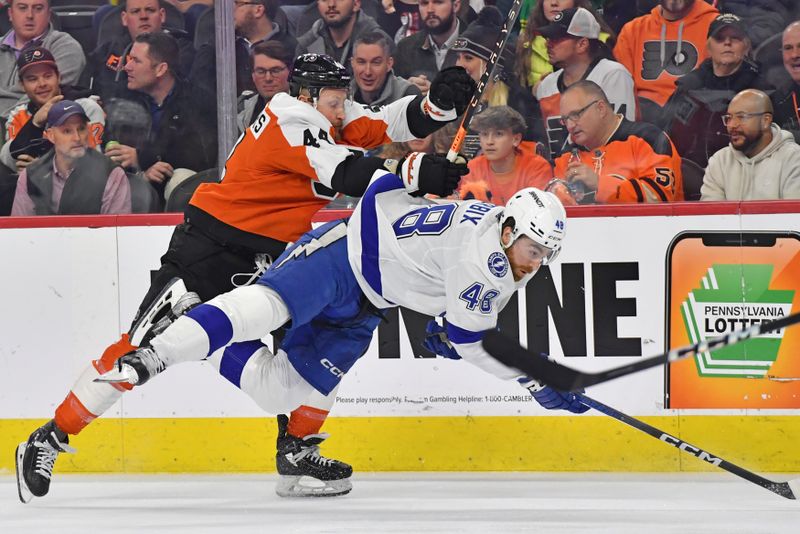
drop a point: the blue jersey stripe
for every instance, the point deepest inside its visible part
(216, 323)
(370, 251)
(235, 358)
(462, 336)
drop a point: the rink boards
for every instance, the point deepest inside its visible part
(69, 290)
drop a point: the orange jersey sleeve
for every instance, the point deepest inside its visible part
(368, 128)
(17, 118)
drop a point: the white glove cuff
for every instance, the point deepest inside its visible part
(430, 110)
(410, 171)
(531, 385)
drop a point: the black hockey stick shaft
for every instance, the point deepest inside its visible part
(510, 353)
(780, 488)
(491, 66)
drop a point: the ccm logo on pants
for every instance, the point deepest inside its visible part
(335, 371)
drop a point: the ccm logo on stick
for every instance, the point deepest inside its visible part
(682, 445)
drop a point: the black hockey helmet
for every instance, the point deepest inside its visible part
(315, 72)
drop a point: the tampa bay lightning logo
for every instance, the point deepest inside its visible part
(498, 264)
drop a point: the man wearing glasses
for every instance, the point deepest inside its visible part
(576, 52)
(761, 162)
(270, 64)
(255, 23)
(611, 159)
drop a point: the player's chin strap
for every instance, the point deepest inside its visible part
(263, 261)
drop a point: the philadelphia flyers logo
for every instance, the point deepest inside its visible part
(675, 63)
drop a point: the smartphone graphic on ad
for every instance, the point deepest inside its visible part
(718, 282)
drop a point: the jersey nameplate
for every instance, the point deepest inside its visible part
(260, 124)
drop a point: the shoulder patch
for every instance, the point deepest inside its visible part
(498, 264)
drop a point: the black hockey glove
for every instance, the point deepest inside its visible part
(452, 88)
(431, 173)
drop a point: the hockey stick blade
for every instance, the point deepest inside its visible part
(788, 490)
(510, 353)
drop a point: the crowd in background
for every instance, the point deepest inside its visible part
(110, 108)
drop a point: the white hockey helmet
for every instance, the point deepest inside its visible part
(538, 215)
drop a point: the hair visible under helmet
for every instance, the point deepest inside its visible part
(538, 215)
(315, 72)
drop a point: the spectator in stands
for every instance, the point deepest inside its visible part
(272, 64)
(71, 179)
(787, 101)
(533, 62)
(191, 9)
(419, 57)
(474, 47)
(254, 21)
(614, 160)
(765, 18)
(105, 71)
(334, 34)
(400, 19)
(30, 23)
(573, 44)
(40, 79)
(503, 168)
(662, 46)
(179, 135)
(374, 83)
(692, 114)
(762, 161)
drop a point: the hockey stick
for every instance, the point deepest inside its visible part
(510, 353)
(789, 490)
(491, 66)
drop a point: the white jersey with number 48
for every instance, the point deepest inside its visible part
(434, 257)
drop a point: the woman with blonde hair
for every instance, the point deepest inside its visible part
(474, 47)
(533, 62)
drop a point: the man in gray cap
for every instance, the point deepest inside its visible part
(71, 179)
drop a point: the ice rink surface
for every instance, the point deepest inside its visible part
(405, 503)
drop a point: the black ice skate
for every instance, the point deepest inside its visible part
(135, 367)
(303, 471)
(36, 458)
(173, 301)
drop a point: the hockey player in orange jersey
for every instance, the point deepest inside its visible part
(301, 151)
(614, 160)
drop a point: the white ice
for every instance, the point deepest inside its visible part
(405, 503)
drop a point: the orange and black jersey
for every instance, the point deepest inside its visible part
(281, 171)
(639, 163)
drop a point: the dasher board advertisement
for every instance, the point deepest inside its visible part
(718, 282)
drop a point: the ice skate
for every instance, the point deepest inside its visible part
(303, 471)
(135, 368)
(173, 301)
(36, 458)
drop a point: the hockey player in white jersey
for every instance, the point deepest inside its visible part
(461, 260)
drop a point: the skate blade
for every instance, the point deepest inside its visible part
(160, 307)
(126, 375)
(25, 495)
(304, 486)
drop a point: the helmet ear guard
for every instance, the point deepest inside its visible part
(538, 215)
